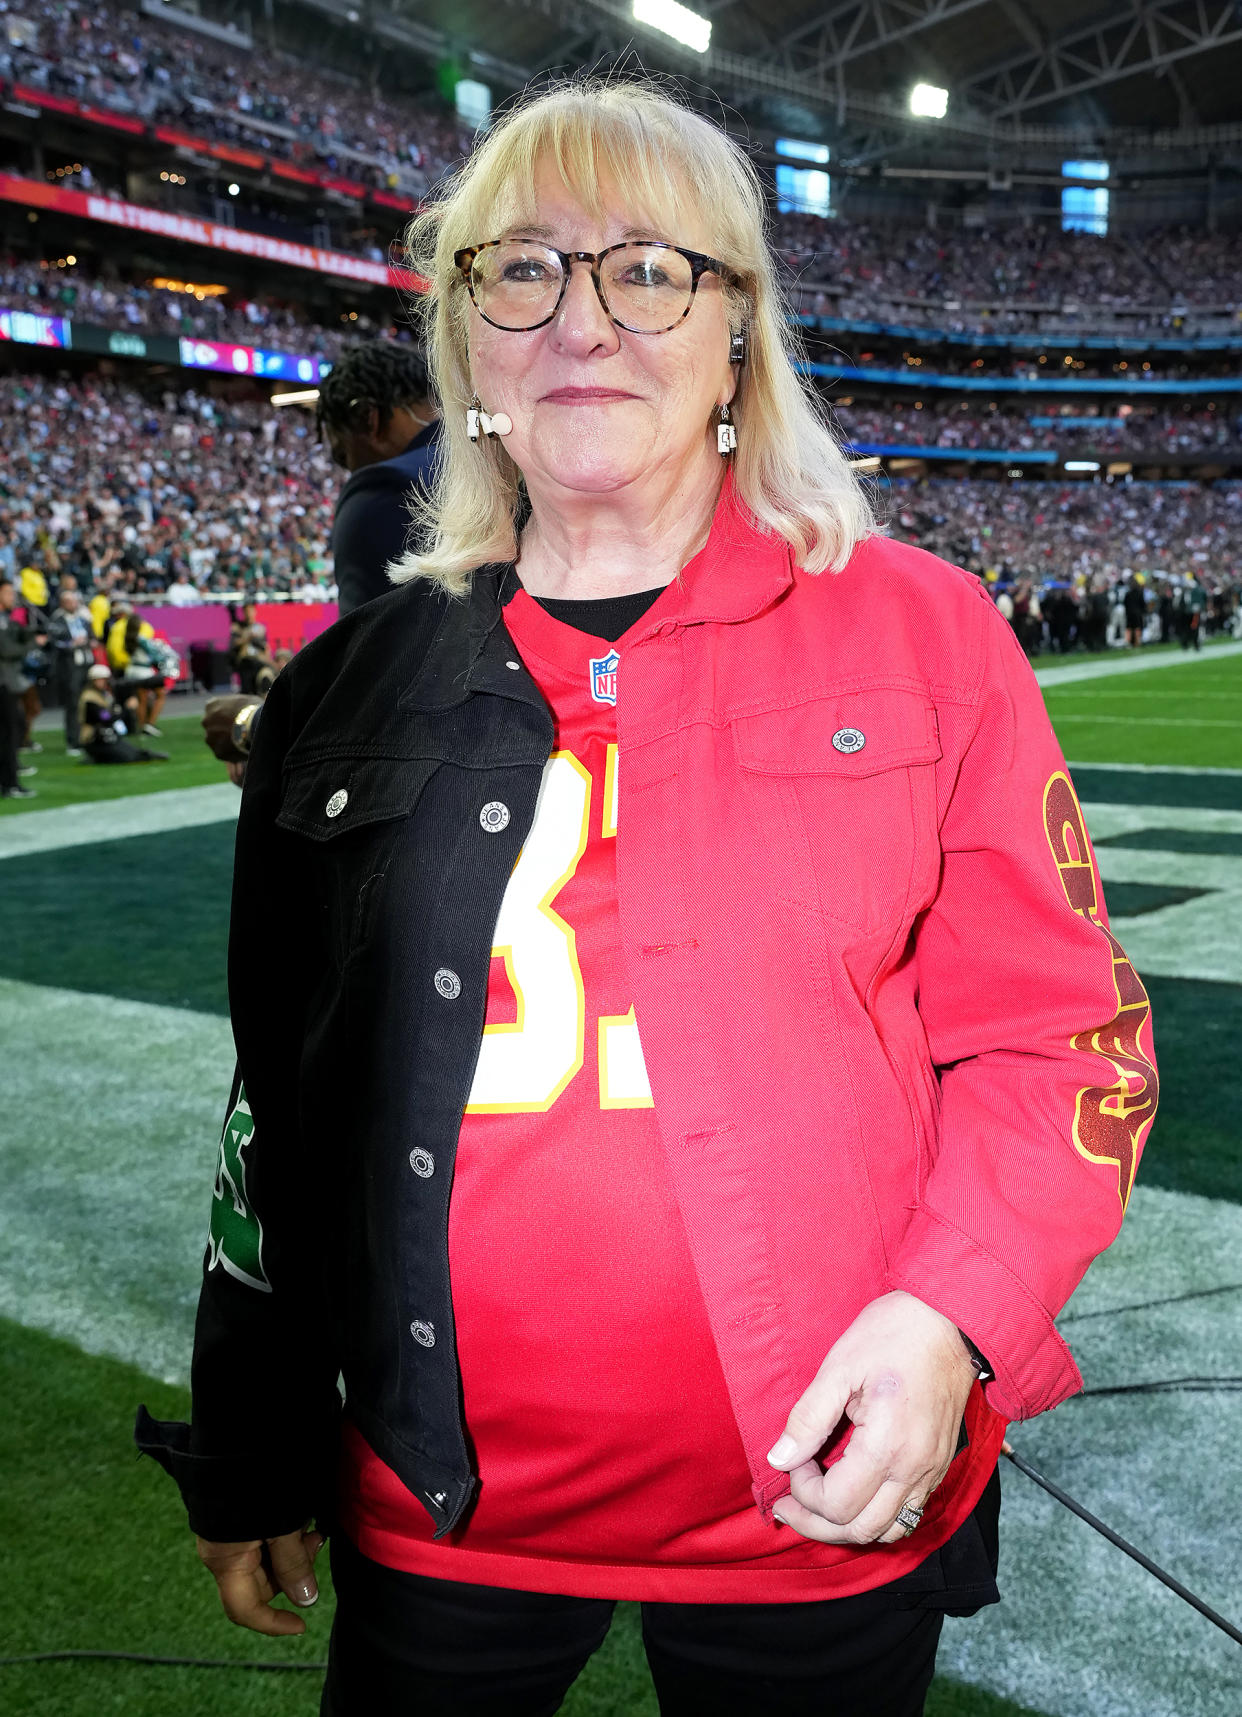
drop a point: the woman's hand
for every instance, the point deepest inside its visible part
(901, 1375)
(251, 1575)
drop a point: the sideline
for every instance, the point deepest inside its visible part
(1130, 664)
(118, 819)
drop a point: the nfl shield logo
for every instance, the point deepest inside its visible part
(603, 670)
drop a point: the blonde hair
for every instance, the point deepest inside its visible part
(789, 470)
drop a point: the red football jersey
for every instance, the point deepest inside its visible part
(609, 1458)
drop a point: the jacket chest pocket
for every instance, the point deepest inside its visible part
(351, 813)
(846, 785)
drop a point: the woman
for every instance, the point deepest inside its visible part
(659, 738)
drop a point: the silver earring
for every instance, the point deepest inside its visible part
(737, 348)
(473, 413)
(726, 434)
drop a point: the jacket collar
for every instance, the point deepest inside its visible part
(739, 572)
(471, 651)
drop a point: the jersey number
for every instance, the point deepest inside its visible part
(524, 1067)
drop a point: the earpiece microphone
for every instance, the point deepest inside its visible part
(478, 422)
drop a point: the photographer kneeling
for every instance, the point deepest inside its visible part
(102, 723)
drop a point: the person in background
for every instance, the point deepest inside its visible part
(242, 619)
(181, 592)
(254, 658)
(34, 593)
(16, 640)
(1194, 602)
(375, 412)
(1134, 601)
(136, 659)
(69, 634)
(265, 678)
(102, 724)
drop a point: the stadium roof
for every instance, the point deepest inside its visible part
(1018, 72)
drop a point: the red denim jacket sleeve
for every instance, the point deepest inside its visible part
(1040, 1032)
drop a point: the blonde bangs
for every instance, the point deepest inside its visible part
(621, 149)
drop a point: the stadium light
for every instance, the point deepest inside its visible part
(1082, 465)
(300, 396)
(234, 190)
(677, 21)
(928, 101)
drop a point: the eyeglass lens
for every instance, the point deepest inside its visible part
(646, 288)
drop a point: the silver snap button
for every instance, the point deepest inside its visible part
(424, 1333)
(516, 666)
(494, 817)
(849, 739)
(423, 1163)
(448, 984)
(337, 803)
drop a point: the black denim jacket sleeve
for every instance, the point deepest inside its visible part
(258, 1459)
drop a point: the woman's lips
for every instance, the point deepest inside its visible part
(583, 396)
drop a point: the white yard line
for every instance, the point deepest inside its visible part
(1144, 720)
(117, 819)
(1128, 664)
(1157, 769)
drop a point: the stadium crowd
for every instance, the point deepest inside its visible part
(960, 424)
(1036, 266)
(1063, 530)
(137, 492)
(120, 303)
(95, 51)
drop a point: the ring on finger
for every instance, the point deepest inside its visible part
(908, 1517)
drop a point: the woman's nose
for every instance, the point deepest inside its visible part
(581, 323)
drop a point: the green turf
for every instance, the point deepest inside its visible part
(1130, 899)
(1194, 1144)
(1172, 788)
(145, 918)
(1190, 715)
(1175, 840)
(65, 780)
(96, 1556)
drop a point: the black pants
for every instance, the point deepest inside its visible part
(11, 727)
(70, 678)
(407, 1646)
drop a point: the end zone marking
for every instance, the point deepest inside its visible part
(118, 819)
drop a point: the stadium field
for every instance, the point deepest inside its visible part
(112, 933)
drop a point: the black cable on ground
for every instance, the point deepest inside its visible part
(1166, 1386)
(164, 1662)
(1151, 1305)
(1146, 1562)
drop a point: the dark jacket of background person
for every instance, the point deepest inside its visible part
(372, 520)
(16, 641)
(70, 638)
(102, 725)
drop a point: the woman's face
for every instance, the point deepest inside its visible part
(594, 407)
